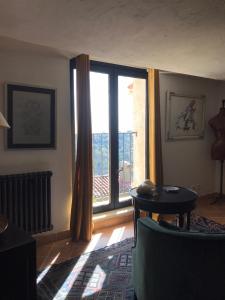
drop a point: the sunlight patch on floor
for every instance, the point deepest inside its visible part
(116, 235)
(96, 281)
(45, 271)
(93, 243)
(71, 278)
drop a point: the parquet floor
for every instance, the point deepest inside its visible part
(65, 249)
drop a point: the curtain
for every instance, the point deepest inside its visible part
(81, 210)
(155, 144)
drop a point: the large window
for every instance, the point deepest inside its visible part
(119, 132)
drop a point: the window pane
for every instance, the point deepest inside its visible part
(131, 106)
(99, 87)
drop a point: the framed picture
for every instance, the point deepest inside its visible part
(31, 116)
(185, 117)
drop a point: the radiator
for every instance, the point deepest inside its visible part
(25, 199)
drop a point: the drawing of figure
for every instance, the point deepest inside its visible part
(185, 119)
(31, 115)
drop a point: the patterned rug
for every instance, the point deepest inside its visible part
(206, 225)
(104, 274)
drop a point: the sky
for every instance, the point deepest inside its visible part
(99, 88)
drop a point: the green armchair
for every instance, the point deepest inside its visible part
(176, 265)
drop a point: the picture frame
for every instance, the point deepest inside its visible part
(185, 117)
(30, 112)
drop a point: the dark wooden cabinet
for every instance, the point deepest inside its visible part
(17, 265)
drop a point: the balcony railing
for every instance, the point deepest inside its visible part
(101, 181)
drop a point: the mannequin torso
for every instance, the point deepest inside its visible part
(217, 123)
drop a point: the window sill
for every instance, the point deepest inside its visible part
(112, 218)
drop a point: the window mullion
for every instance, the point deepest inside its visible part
(114, 170)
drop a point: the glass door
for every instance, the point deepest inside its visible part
(99, 90)
(131, 133)
(119, 132)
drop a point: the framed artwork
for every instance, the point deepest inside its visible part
(31, 116)
(185, 117)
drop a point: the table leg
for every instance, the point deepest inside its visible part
(136, 216)
(188, 220)
(181, 220)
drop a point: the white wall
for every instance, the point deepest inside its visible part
(188, 162)
(43, 69)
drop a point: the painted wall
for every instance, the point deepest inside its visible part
(50, 70)
(188, 163)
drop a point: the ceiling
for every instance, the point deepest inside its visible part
(184, 36)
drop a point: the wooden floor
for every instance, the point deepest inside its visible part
(65, 249)
(216, 211)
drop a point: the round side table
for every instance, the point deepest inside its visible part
(180, 202)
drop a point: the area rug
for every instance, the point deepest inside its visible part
(101, 274)
(202, 224)
(104, 274)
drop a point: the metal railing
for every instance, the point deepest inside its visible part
(100, 145)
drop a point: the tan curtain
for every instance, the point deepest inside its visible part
(81, 211)
(155, 144)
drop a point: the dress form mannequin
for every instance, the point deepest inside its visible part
(217, 124)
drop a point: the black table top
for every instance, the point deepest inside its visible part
(162, 201)
(161, 195)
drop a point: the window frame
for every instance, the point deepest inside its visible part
(114, 71)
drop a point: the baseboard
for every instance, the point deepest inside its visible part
(100, 221)
(42, 239)
(207, 196)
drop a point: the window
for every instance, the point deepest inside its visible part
(119, 132)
